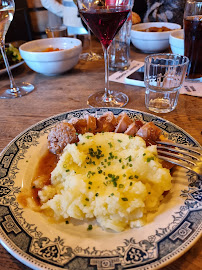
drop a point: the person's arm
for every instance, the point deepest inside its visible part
(165, 11)
(53, 6)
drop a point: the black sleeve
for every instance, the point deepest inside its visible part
(140, 7)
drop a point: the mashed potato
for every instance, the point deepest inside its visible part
(109, 176)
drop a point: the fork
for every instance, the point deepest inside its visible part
(185, 156)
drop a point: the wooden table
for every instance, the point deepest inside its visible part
(54, 95)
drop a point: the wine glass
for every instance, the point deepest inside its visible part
(105, 18)
(7, 9)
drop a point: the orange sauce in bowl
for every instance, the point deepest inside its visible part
(156, 29)
(51, 49)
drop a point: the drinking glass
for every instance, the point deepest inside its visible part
(193, 37)
(90, 56)
(164, 75)
(7, 9)
(105, 19)
(56, 31)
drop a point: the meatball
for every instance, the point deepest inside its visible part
(60, 135)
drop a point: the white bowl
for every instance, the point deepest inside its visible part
(152, 42)
(55, 62)
(176, 40)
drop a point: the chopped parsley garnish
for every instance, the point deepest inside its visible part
(124, 199)
(90, 227)
(98, 153)
(89, 174)
(150, 158)
(89, 161)
(110, 145)
(96, 194)
(113, 179)
(67, 222)
(129, 158)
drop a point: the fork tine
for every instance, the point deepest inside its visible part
(177, 157)
(182, 155)
(176, 162)
(196, 150)
(178, 151)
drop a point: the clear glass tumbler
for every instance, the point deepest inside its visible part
(56, 31)
(119, 51)
(164, 75)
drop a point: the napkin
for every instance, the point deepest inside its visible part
(191, 87)
(120, 76)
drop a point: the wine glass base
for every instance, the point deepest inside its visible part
(116, 99)
(21, 90)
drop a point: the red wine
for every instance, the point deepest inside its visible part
(193, 45)
(105, 23)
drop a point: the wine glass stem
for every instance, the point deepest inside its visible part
(107, 95)
(89, 38)
(13, 86)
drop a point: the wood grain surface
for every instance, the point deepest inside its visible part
(69, 91)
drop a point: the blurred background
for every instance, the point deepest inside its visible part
(30, 21)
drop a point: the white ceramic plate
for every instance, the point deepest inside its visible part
(29, 237)
(11, 67)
